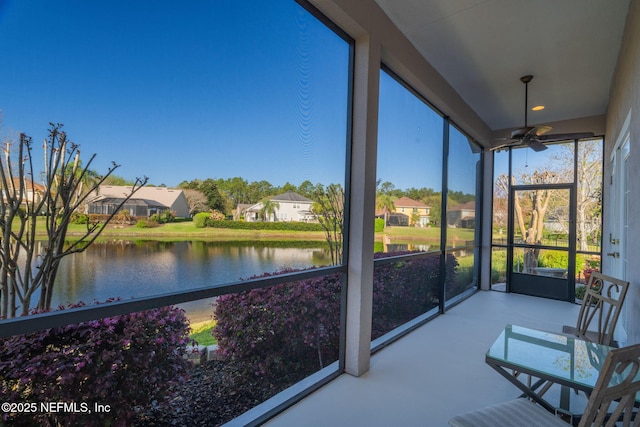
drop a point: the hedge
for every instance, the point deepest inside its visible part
(126, 362)
(277, 225)
(292, 329)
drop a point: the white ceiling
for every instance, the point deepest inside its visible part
(483, 47)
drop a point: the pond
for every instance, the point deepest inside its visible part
(128, 269)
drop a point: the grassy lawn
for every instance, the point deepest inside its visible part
(418, 234)
(201, 332)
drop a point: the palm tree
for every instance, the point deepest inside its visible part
(268, 209)
(385, 203)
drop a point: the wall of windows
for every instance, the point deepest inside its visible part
(464, 171)
(247, 109)
(416, 212)
(573, 167)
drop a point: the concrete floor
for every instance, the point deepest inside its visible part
(434, 372)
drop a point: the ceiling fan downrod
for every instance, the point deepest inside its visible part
(526, 80)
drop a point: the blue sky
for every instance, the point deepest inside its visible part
(210, 89)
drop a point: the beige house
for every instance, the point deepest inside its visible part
(145, 202)
(33, 192)
(417, 213)
(462, 216)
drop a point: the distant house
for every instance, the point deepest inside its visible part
(462, 216)
(291, 206)
(32, 191)
(144, 203)
(415, 212)
(239, 211)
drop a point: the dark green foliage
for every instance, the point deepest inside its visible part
(278, 225)
(210, 189)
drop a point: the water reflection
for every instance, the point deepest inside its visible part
(128, 269)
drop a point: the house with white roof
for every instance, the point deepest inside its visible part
(290, 206)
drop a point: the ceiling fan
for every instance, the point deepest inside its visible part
(534, 136)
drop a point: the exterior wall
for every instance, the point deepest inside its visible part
(624, 102)
(180, 206)
(290, 211)
(423, 214)
(287, 211)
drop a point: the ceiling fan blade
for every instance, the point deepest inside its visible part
(501, 146)
(565, 136)
(536, 145)
(541, 130)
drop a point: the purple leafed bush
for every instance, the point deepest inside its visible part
(405, 289)
(126, 362)
(282, 332)
(291, 330)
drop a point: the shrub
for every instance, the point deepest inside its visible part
(126, 362)
(79, 218)
(379, 225)
(559, 259)
(147, 223)
(277, 225)
(200, 219)
(290, 330)
(405, 289)
(286, 331)
(216, 215)
(163, 217)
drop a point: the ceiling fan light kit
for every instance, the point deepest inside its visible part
(533, 136)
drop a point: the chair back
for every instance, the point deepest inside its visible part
(618, 383)
(601, 307)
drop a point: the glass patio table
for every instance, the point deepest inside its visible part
(547, 357)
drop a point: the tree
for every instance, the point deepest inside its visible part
(329, 210)
(269, 209)
(197, 201)
(211, 191)
(588, 160)
(385, 203)
(307, 189)
(27, 265)
(530, 223)
(118, 180)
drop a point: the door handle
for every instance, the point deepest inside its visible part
(614, 254)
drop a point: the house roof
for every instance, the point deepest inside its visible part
(162, 195)
(290, 196)
(406, 202)
(130, 202)
(28, 184)
(469, 206)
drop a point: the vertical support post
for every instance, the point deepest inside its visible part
(443, 215)
(362, 206)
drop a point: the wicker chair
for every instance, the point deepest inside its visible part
(612, 400)
(600, 309)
